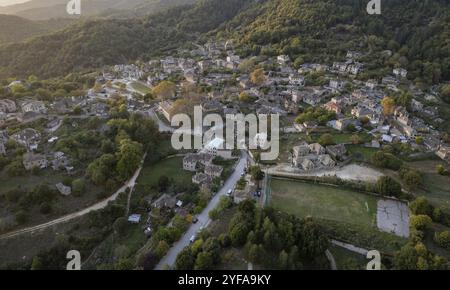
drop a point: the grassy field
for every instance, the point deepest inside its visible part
(141, 88)
(436, 188)
(324, 202)
(171, 167)
(339, 137)
(361, 153)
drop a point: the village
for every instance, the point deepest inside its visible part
(317, 104)
(271, 86)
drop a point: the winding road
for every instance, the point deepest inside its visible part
(102, 204)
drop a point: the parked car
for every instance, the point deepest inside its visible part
(194, 220)
(192, 239)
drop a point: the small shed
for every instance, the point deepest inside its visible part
(134, 218)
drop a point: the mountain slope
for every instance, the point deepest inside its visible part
(48, 9)
(14, 28)
(95, 43)
(417, 33)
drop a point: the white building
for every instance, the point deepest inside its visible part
(216, 147)
(283, 59)
(400, 72)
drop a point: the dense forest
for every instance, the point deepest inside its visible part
(98, 42)
(55, 9)
(416, 33)
(15, 29)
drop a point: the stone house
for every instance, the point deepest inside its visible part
(28, 138)
(7, 106)
(33, 106)
(213, 170)
(31, 160)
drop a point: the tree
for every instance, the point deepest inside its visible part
(204, 261)
(36, 264)
(120, 226)
(128, 158)
(100, 169)
(21, 217)
(161, 249)
(421, 206)
(356, 139)
(255, 253)
(15, 168)
(13, 195)
(412, 178)
(406, 258)
(244, 97)
(163, 183)
(185, 260)
(283, 261)
(440, 169)
(257, 77)
(419, 140)
(124, 264)
(256, 173)
(148, 261)
(388, 186)
(45, 208)
(439, 215)
(238, 234)
(212, 246)
(213, 214)
(247, 65)
(313, 240)
(165, 90)
(78, 186)
(443, 239)
(420, 222)
(388, 105)
(386, 160)
(404, 99)
(224, 240)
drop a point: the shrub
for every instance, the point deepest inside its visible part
(388, 187)
(420, 222)
(443, 239)
(421, 206)
(78, 186)
(45, 208)
(21, 217)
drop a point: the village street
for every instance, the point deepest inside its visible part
(203, 218)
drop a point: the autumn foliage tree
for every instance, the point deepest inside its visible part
(165, 90)
(257, 77)
(388, 105)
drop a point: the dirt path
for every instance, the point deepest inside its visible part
(348, 172)
(100, 205)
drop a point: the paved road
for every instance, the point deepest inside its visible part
(203, 218)
(350, 247)
(331, 260)
(102, 204)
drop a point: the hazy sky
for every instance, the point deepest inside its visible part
(11, 2)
